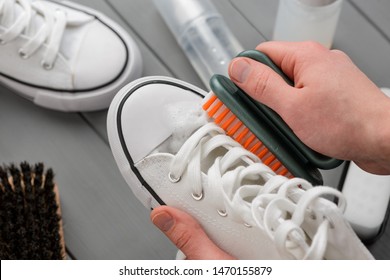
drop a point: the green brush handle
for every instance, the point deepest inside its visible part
(257, 122)
(277, 122)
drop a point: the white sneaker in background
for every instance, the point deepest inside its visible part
(64, 56)
(170, 153)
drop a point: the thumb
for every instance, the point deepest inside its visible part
(186, 233)
(261, 83)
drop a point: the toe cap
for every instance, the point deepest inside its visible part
(101, 58)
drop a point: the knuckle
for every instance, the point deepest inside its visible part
(314, 46)
(262, 84)
(339, 53)
(342, 57)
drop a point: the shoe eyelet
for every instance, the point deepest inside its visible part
(197, 196)
(173, 179)
(222, 213)
(22, 54)
(247, 225)
(46, 66)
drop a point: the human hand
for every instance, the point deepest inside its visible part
(186, 233)
(333, 108)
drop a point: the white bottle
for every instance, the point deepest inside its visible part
(202, 34)
(302, 20)
(367, 197)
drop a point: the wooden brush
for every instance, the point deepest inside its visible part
(30, 217)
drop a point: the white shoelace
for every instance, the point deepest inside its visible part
(273, 203)
(50, 32)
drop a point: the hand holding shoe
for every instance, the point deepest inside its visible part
(186, 233)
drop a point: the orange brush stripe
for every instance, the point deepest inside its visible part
(276, 166)
(284, 171)
(222, 116)
(245, 137)
(234, 129)
(208, 103)
(215, 108)
(255, 147)
(249, 141)
(228, 122)
(242, 134)
(263, 152)
(269, 160)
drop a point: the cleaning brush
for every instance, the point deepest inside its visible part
(30, 222)
(260, 130)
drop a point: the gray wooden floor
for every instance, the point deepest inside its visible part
(102, 219)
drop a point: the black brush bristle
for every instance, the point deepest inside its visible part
(30, 224)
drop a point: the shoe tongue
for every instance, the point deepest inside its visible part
(35, 24)
(9, 19)
(36, 19)
(184, 119)
(76, 28)
(74, 32)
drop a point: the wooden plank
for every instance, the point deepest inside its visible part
(261, 14)
(237, 22)
(102, 219)
(377, 12)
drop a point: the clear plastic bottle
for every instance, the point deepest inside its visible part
(202, 34)
(301, 20)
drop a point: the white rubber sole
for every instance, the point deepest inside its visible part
(92, 100)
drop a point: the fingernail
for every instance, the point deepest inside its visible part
(163, 221)
(239, 70)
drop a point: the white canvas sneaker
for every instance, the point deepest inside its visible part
(64, 56)
(170, 153)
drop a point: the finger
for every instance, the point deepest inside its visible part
(186, 233)
(290, 55)
(261, 83)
